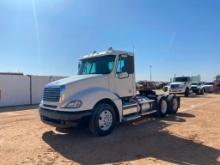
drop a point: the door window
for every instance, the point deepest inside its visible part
(122, 64)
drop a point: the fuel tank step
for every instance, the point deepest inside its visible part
(131, 117)
(148, 112)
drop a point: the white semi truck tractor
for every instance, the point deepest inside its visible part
(103, 93)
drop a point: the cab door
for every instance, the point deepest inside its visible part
(124, 81)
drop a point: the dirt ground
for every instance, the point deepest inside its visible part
(190, 137)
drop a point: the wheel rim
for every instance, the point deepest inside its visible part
(105, 120)
(163, 106)
(175, 104)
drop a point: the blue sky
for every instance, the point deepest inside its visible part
(47, 37)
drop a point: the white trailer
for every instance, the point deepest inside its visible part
(103, 93)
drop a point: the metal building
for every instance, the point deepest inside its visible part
(18, 89)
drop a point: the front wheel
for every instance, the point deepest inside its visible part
(103, 120)
(187, 92)
(202, 92)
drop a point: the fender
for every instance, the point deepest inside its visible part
(91, 96)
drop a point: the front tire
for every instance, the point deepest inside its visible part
(103, 120)
(198, 92)
(202, 92)
(187, 92)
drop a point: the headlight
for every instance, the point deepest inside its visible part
(62, 93)
(74, 104)
(62, 98)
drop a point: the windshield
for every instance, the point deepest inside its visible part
(181, 79)
(97, 65)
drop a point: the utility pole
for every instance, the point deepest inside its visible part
(150, 72)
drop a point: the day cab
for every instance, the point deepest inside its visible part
(103, 94)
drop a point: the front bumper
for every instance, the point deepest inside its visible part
(176, 91)
(62, 119)
(195, 90)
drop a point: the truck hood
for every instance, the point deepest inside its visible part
(72, 79)
(194, 85)
(208, 85)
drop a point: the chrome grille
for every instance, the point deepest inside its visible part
(51, 94)
(174, 86)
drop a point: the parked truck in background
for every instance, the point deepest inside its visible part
(208, 87)
(187, 85)
(181, 85)
(103, 93)
(197, 86)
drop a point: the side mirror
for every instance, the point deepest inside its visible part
(79, 66)
(123, 75)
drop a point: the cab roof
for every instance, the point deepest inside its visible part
(110, 51)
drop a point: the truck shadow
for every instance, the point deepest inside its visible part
(132, 141)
